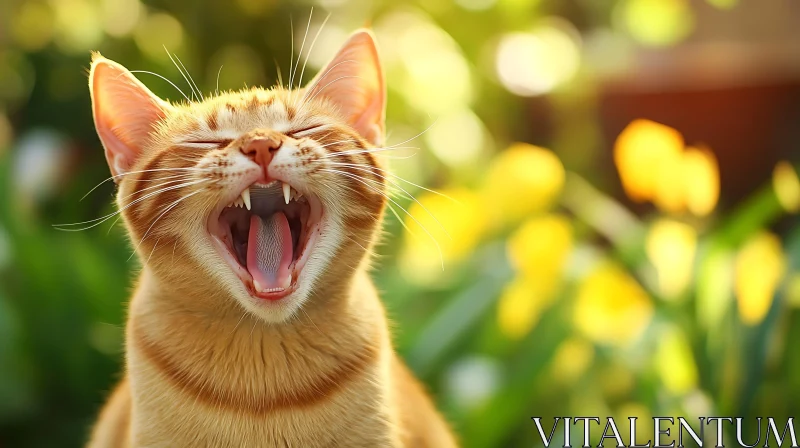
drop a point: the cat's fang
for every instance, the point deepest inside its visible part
(246, 197)
(286, 192)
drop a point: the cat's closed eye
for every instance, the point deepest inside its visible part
(303, 132)
(209, 143)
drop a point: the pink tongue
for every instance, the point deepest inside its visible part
(269, 252)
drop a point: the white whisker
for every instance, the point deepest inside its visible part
(197, 89)
(138, 172)
(168, 208)
(191, 89)
(311, 48)
(216, 90)
(165, 79)
(363, 181)
(407, 195)
(300, 53)
(111, 215)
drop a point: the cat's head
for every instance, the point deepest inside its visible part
(265, 198)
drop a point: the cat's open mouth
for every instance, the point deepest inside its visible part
(266, 235)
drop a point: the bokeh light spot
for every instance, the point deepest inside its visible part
(572, 358)
(541, 246)
(78, 25)
(455, 223)
(121, 16)
(470, 381)
(534, 63)
(760, 265)
(700, 180)
(675, 363)
(522, 180)
(611, 307)
(643, 150)
(32, 26)
(671, 248)
(156, 32)
(457, 138)
(521, 305)
(787, 186)
(476, 5)
(657, 22)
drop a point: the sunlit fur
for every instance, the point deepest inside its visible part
(209, 365)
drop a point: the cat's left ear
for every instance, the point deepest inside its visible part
(125, 112)
(353, 80)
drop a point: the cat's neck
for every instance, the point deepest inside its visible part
(351, 303)
(327, 358)
(266, 363)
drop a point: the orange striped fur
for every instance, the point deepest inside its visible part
(207, 364)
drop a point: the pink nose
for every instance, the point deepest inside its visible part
(260, 145)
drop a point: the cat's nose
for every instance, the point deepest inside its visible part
(260, 145)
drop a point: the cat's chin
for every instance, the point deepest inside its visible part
(267, 241)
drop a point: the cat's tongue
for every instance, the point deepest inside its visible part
(269, 252)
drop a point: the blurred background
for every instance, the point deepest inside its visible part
(618, 238)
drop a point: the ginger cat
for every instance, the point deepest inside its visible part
(254, 322)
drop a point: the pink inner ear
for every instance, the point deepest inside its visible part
(353, 80)
(125, 113)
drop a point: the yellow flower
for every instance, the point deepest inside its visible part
(675, 363)
(521, 180)
(760, 265)
(786, 186)
(572, 358)
(611, 307)
(540, 247)
(522, 303)
(653, 166)
(645, 152)
(444, 229)
(671, 248)
(700, 180)
(538, 250)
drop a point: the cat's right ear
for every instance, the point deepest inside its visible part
(125, 112)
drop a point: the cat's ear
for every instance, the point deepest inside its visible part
(125, 112)
(353, 80)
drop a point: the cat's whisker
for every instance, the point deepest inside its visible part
(389, 173)
(216, 90)
(98, 221)
(363, 181)
(119, 213)
(191, 88)
(182, 178)
(140, 180)
(407, 195)
(291, 53)
(168, 208)
(278, 72)
(197, 89)
(364, 151)
(300, 53)
(310, 49)
(165, 79)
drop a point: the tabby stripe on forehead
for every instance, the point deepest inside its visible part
(220, 397)
(212, 120)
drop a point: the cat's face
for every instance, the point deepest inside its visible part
(266, 196)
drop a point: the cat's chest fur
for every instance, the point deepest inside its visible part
(211, 384)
